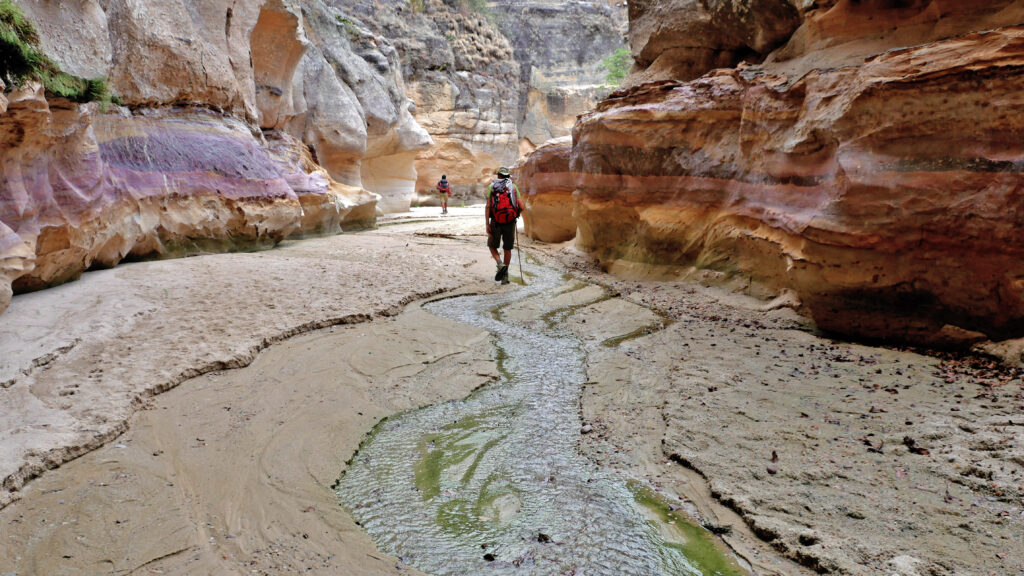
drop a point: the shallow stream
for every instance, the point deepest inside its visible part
(494, 484)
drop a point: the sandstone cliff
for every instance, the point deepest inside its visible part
(230, 108)
(491, 80)
(463, 80)
(683, 39)
(869, 164)
(546, 185)
(560, 46)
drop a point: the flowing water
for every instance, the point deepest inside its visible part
(494, 483)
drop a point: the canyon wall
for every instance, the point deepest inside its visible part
(868, 161)
(237, 124)
(493, 79)
(560, 46)
(463, 80)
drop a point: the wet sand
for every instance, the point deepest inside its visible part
(231, 472)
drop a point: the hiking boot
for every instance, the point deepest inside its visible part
(504, 278)
(501, 268)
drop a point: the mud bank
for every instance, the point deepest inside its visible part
(229, 472)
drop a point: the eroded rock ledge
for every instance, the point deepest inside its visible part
(874, 171)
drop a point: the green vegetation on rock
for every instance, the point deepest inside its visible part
(699, 546)
(617, 64)
(21, 60)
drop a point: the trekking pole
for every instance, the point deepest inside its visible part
(519, 254)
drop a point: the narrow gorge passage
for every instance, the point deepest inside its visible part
(495, 483)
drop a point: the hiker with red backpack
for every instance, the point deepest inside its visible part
(445, 190)
(502, 210)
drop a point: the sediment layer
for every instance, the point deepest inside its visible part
(234, 128)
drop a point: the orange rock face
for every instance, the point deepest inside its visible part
(886, 191)
(546, 184)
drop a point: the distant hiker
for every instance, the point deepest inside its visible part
(445, 190)
(502, 210)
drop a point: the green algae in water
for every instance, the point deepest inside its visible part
(443, 455)
(449, 462)
(554, 317)
(698, 545)
(501, 359)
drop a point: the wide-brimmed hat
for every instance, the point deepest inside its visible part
(503, 172)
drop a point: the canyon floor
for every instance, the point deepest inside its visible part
(216, 399)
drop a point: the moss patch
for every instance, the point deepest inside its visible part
(699, 546)
(21, 60)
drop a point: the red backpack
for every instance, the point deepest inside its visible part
(503, 205)
(443, 186)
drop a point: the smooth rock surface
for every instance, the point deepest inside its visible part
(80, 359)
(546, 185)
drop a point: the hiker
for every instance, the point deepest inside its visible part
(445, 190)
(501, 212)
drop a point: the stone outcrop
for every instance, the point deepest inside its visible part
(683, 39)
(869, 165)
(211, 150)
(355, 114)
(490, 82)
(546, 185)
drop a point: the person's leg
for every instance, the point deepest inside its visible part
(508, 237)
(493, 241)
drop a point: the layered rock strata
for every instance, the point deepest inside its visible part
(560, 46)
(243, 123)
(491, 81)
(885, 191)
(354, 112)
(546, 185)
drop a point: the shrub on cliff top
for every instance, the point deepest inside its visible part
(21, 61)
(617, 64)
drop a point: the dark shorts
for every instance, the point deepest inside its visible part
(502, 234)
